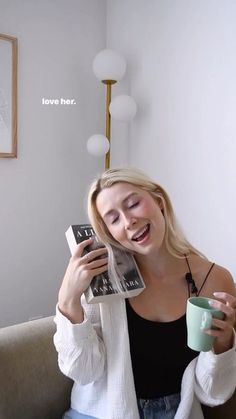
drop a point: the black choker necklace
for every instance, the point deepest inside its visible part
(191, 282)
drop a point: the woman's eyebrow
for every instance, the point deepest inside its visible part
(130, 195)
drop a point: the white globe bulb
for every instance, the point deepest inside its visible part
(123, 108)
(98, 145)
(109, 65)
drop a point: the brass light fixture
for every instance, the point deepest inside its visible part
(108, 84)
(109, 67)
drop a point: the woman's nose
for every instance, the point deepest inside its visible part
(129, 221)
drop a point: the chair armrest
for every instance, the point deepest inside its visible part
(31, 384)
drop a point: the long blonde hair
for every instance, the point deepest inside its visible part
(175, 241)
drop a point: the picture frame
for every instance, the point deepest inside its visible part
(8, 96)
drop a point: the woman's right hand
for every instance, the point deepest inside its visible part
(79, 274)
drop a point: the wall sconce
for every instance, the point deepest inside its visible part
(109, 67)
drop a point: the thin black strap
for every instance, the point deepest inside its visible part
(208, 273)
(188, 264)
(191, 280)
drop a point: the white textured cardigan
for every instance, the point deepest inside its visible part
(96, 355)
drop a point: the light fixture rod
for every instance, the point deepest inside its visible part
(108, 120)
(108, 125)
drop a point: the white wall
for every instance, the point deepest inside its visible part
(181, 71)
(42, 190)
(182, 61)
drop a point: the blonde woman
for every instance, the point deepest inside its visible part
(129, 358)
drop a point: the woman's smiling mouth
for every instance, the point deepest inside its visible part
(141, 234)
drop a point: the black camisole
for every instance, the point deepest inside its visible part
(159, 354)
(159, 351)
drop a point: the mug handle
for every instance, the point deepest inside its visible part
(206, 320)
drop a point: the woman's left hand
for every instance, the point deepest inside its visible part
(224, 333)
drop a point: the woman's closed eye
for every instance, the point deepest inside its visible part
(133, 205)
(130, 206)
(113, 217)
(113, 221)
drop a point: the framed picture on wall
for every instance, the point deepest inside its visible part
(8, 96)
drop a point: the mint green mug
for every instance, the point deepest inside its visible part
(199, 316)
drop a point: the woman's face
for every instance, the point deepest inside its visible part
(133, 217)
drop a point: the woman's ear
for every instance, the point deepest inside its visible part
(160, 203)
(161, 206)
(158, 198)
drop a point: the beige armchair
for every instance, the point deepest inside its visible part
(31, 385)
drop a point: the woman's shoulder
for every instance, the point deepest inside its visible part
(222, 278)
(219, 277)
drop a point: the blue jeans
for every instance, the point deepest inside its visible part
(161, 408)
(72, 414)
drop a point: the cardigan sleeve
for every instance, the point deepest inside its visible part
(215, 377)
(81, 351)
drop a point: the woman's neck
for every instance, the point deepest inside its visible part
(160, 265)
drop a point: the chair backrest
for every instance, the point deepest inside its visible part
(32, 387)
(224, 411)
